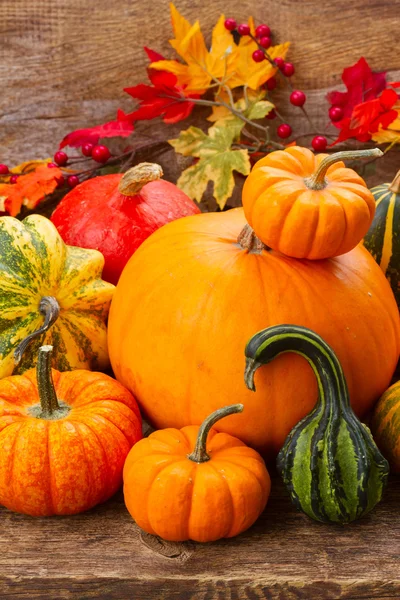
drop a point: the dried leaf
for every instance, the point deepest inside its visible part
(29, 189)
(216, 163)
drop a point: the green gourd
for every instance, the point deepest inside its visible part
(329, 462)
(383, 239)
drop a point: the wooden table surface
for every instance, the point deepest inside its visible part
(63, 65)
(284, 556)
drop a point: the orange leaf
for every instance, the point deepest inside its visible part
(29, 189)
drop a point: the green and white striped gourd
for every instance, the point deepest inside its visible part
(383, 237)
(329, 462)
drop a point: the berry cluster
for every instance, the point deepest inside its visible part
(286, 69)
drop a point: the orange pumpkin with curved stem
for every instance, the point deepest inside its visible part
(61, 457)
(195, 483)
(308, 206)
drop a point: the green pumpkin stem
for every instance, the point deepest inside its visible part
(137, 177)
(47, 392)
(395, 185)
(199, 454)
(329, 462)
(317, 180)
(48, 307)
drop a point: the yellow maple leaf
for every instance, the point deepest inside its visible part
(392, 133)
(227, 62)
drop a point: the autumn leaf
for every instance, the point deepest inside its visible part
(201, 65)
(253, 108)
(163, 98)
(367, 117)
(391, 134)
(362, 85)
(122, 127)
(216, 163)
(225, 61)
(29, 189)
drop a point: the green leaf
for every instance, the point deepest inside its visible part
(259, 110)
(217, 161)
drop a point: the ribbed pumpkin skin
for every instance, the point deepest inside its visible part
(171, 496)
(176, 337)
(35, 263)
(96, 215)
(385, 426)
(383, 237)
(64, 466)
(303, 223)
(329, 462)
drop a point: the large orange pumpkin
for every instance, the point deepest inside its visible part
(308, 206)
(63, 445)
(199, 288)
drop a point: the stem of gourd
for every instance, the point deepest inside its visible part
(199, 454)
(317, 180)
(395, 185)
(248, 240)
(48, 307)
(137, 177)
(46, 390)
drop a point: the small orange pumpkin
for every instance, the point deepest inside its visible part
(176, 488)
(61, 457)
(385, 425)
(308, 206)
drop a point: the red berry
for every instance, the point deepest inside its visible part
(60, 180)
(279, 61)
(319, 143)
(258, 55)
(271, 115)
(271, 84)
(243, 29)
(101, 154)
(73, 181)
(265, 42)
(230, 24)
(52, 166)
(297, 98)
(336, 113)
(13, 178)
(288, 69)
(284, 131)
(87, 149)
(3, 169)
(263, 31)
(60, 158)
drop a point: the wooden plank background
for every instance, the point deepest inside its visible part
(64, 63)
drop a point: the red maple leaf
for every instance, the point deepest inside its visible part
(122, 127)
(153, 55)
(163, 98)
(362, 85)
(367, 117)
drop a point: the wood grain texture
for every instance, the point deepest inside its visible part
(64, 64)
(284, 556)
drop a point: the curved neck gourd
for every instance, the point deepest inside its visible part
(329, 462)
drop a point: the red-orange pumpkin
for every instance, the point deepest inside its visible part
(198, 289)
(116, 213)
(63, 456)
(308, 206)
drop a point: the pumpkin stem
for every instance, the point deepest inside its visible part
(134, 179)
(50, 308)
(47, 392)
(317, 180)
(199, 454)
(248, 240)
(395, 185)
